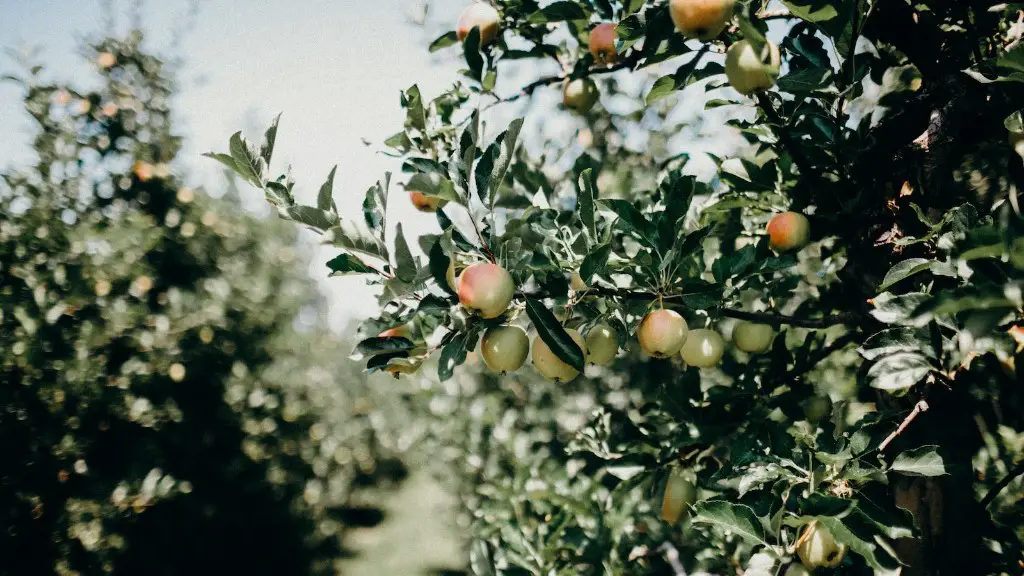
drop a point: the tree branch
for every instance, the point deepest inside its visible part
(556, 79)
(1017, 471)
(920, 407)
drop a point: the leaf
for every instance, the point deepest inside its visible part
(921, 461)
(379, 345)
(344, 264)
(632, 219)
(434, 186)
(894, 340)
(405, 266)
(558, 12)
(551, 332)
(595, 262)
(312, 217)
(375, 205)
(452, 355)
(325, 199)
(424, 165)
(858, 534)
(903, 270)
(736, 518)
(585, 202)
(347, 235)
(269, 138)
(443, 41)
(899, 371)
(247, 165)
(812, 10)
(503, 160)
(471, 49)
(438, 263)
(416, 115)
(806, 80)
(480, 559)
(891, 309)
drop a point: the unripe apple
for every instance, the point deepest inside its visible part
(752, 338)
(680, 494)
(788, 231)
(504, 348)
(662, 333)
(602, 344)
(701, 19)
(486, 289)
(580, 94)
(479, 15)
(796, 570)
(1017, 141)
(602, 43)
(576, 282)
(425, 203)
(449, 276)
(749, 71)
(550, 365)
(703, 348)
(816, 408)
(819, 549)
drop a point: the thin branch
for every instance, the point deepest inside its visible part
(817, 357)
(920, 407)
(1017, 471)
(556, 79)
(672, 557)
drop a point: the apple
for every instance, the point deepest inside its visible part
(752, 338)
(580, 94)
(602, 43)
(680, 494)
(403, 331)
(106, 60)
(819, 548)
(788, 231)
(576, 282)
(425, 203)
(701, 19)
(550, 365)
(486, 289)
(662, 333)
(796, 570)
(602, 344)
(816, 408)
(749, 71)
(703, 348)
(504, 348)
(449, 276)
(482, 16)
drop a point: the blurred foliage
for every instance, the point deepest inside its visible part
(162, 408)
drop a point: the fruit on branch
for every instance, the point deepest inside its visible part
(550, 365)
(580, 94)
(486, 289)
(752, 338)
(703, 348)
(403, 331)
(662, 333)
(788, 231)
(504, 348)
(449, 276)
(701, 19)
(479, 15)
(576, 282)
(106, 60)
(602, 43)
(602, 344)
(817, 408)
(819, 548)
(750, 70)
(680, 494)
(425, 203)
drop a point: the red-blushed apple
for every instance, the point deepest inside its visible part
(580, 94)
(402, 331)
(602, 43)
(550, 365)
(602, 344)
(486, 289)
(106, 60)
(479, 15)
(425, 203)
(680, 494)
(703, 348)
(750, 70)
(788, 231)
(701, 19)
(662, 333)
(504, 348)
(752, 338)
(819, 548)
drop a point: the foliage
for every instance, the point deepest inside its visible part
(162, 410)
(890, 127)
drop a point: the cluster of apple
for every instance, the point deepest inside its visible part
(747, 69)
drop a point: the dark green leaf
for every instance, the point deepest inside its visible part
(443, 41)
(921, 461)
(632, 220)
(558, 12)
(347, 264)
(471, 49)
(594, 262)
(405, 266)
(312, 217)
(269, 138)
(551, 332)
(899, 371)
(735, 518)
(325, 199)
(585, 203)
(904, 269)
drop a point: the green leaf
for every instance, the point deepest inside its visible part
(595, 262)
(736, 518)
(502, 158)
(416, 115)
(893, 340)
(631, 219)
(585, 203)
(325, 199)
(471, 49)
(443, 41)
(480, 561)
(347, 264)
(453, 355)
(248, 166)
(405, 266)
(438, 263)
(375, 205)
(922, 461)
(433, 185)
(806, 80)
(558, 12)
(312, 217)
(891, 309)
(855, 531)
(551, 332)
(379, 345)
(269, 138)
(899, 371)
(347, 235)
(424, 165)
(903, 270)
(812, 10)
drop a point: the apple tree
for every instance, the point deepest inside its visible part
(770, 280)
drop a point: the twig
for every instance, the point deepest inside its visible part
(775, 14)
(548, 80)
(817, 357)
(921, 406)
(672, 557)
(1017, 471)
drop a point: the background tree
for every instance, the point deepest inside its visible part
(163, 409)
(868, 215)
